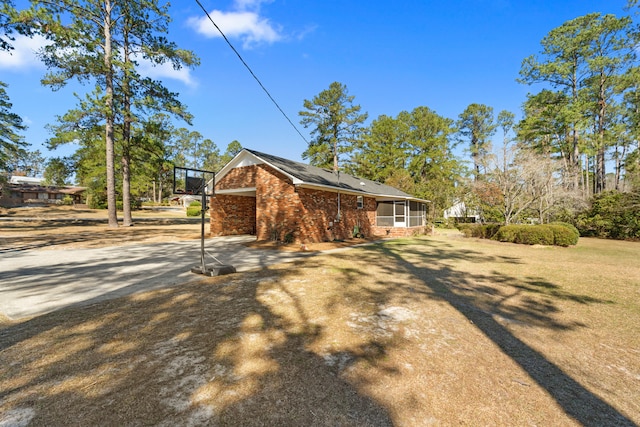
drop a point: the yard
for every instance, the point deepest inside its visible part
(436, 330)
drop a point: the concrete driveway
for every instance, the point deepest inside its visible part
(34, 282)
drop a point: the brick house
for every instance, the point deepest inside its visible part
(279, 199)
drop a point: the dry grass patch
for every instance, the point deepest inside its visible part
(311, 247)
(55, 211)
(437, 331)
(66, 227)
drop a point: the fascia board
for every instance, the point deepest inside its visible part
(249, 158)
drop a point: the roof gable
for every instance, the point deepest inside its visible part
(307, 175)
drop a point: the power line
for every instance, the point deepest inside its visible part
(250, 71)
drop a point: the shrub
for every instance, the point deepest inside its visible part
(194, 208)
(612, 215)
(490, 230)
(525, 234)
(465, 229)
(506, 233)
(481, 231)
(564, 234)
(445, 223)
(534, 235)
(569, 226)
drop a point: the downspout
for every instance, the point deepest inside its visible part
(338, 215)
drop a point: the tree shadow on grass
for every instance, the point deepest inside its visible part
(483, 305)
(207, 353)
(239, 350)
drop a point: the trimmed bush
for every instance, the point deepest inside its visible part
(465, 229)
(490, 230)
(506, 233)
(547, 234)
(525, 234)
(194, 208)
(564, 234)
(481, 231)
(534, 235)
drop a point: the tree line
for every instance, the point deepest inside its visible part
(581, 117)
(547, 166)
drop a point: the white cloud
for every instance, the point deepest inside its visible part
(249, 4)
(166, 70)
(23, 56)
(246, 25)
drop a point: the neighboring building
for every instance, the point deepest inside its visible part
(461, 213)
(25, 191)
(279, 199)
(16, 179)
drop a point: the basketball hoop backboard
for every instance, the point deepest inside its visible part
(193, 181)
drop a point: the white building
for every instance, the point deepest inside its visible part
(460, 210)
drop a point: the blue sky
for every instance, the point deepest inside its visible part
(392, 56)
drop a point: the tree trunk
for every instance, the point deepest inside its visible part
(110, 119)
(575, 147)
(601, 174)
(126, 189)
(600, 156)
(127, 221)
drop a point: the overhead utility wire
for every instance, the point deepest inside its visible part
(250, 70)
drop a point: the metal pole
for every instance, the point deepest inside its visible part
(203, 201)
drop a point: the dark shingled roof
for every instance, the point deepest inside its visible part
(325, 177)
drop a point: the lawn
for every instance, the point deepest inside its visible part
(436, 330)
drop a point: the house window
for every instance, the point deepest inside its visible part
(360, 202)
(384, 214)
(417, 214)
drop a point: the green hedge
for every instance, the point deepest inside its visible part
(559, 234)
(564, 234)
(482, 231)
(194, 208)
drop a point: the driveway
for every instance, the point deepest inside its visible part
(34, 282)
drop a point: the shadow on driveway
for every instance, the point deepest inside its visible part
(38, 282)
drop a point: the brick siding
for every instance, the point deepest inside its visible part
(242, 177)
(282, 211)
(230, 215)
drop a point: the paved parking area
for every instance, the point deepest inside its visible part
(34, 282)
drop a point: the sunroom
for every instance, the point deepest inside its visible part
(401, 213)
